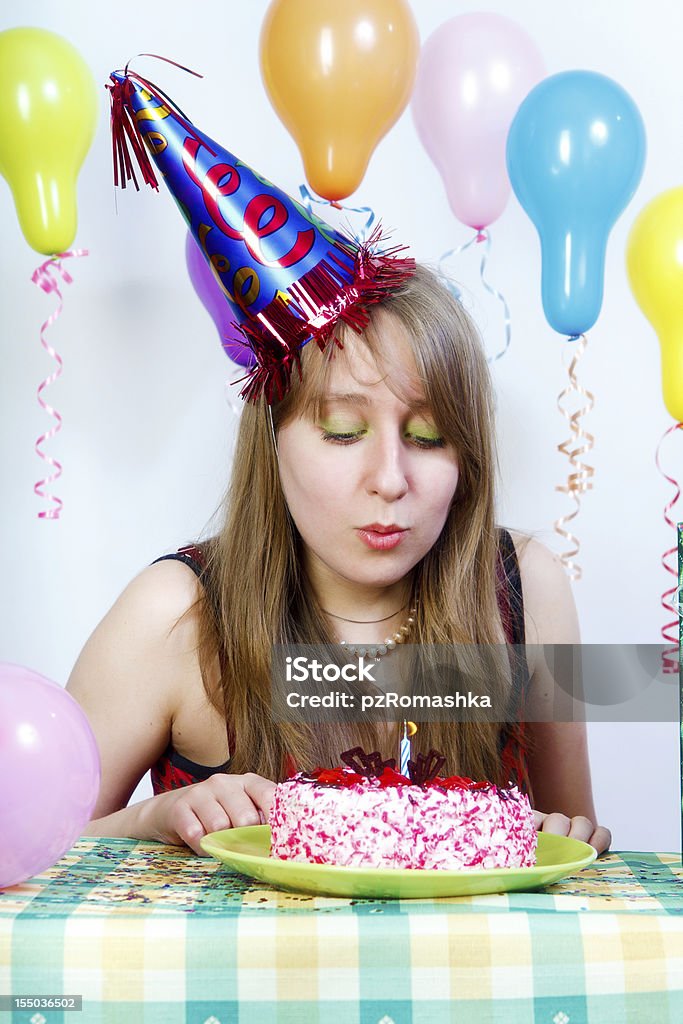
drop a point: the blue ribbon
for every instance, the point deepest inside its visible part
(308, 198)
(485, 237)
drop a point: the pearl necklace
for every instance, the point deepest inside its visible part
(378, 651)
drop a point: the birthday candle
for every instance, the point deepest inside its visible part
(405, 750)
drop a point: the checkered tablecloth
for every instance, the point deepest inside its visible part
(150, 933)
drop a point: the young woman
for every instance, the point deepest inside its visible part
(361, 509)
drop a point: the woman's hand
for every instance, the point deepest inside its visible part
(222, 801)
(575, 828)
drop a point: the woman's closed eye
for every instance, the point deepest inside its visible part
(342, 437)
(426, 440)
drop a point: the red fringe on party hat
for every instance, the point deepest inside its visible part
(125, 136)
(125, 132)
(311, 310)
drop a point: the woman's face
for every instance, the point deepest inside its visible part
(370, 463)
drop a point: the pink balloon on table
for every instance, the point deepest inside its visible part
(49, 773)
(216, 304)
(473, 73)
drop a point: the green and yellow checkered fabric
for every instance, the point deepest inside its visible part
(150, 933)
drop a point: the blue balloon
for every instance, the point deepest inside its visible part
(575, 156)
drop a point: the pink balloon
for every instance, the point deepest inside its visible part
(216, 304)
(49, 773)
(474, 71)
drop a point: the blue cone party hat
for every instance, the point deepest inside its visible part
(288, 275)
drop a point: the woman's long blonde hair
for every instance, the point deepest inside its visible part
(257, 592)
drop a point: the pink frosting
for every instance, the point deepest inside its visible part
(368, 826)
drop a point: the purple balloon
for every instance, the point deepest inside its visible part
(49, 773)
(216, 304)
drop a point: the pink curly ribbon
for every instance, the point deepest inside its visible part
(578, 443)
(45, 277)
(669, 630)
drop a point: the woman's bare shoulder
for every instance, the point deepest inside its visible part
(168, 588)
(134, 674)
(549, 609)
(149, 632)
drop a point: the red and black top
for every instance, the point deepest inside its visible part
(172, 770)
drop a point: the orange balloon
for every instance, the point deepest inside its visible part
(339, 73)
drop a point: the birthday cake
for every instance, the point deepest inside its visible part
(368, 815)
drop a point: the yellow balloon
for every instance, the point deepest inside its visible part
(339, 74)
(48, 115)
(654, 260)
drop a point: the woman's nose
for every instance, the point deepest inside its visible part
(387, 471)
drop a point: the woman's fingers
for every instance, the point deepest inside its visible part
(539, 818)
(556, 823)
(581, 828)
(232, 794)
(260, 791)
(220, 802)
(577, 827)
(601, 839)
(189, 827)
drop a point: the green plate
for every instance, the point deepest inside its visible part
(248, 850)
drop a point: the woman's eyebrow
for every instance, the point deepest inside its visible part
(359, 398)
(356, 397)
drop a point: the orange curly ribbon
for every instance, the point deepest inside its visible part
(577, 444)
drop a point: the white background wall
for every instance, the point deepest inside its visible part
(146, 443)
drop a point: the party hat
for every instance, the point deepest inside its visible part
(289, 276)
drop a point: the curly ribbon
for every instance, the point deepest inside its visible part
(308, 198)
(481, 236)
(670, 654)
(45, 277)
(578, 443)
(678, 605)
